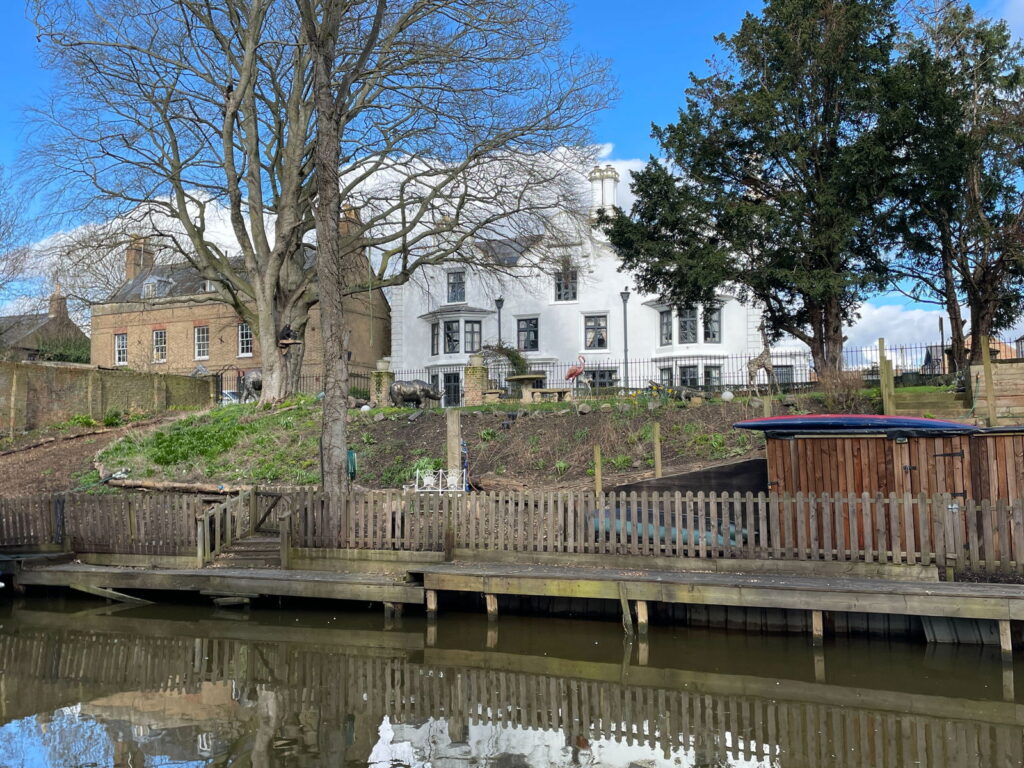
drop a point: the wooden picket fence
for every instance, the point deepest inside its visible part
(31, 522)
(890, 529)
(940, 530)
(132, 524)
(165, 524)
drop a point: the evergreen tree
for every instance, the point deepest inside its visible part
(775, 174)
(957, 211)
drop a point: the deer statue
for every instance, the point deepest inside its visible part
(762, 362)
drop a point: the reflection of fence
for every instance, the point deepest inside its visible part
(889, 529)
(682, 711)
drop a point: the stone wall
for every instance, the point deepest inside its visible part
(34, 395)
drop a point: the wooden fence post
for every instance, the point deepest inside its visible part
(597, 469)
(454, 432)
(990, 388)
(253, 509)
(885, 380)
(657, 449)
(285, 524)
(200, 540)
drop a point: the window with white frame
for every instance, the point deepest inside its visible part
(665, 327)
(148, 290)
(120, 349)
(713, 326)
(474, 336)
(456, 287)
(688, 325)
(244, 340)
(595, 331)
(435, 338)
(665, 376)
(451, 337)
(566, 285)
(160, 346)
(528, 334)
(712, 376)
(208, 286)
(201, 342)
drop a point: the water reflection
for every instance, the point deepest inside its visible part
(162, 685)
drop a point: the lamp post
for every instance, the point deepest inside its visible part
(499, 303)
(625, 339)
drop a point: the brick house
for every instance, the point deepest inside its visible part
(167, 318)
(25, 337)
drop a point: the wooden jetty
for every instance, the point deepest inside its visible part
(873, 554)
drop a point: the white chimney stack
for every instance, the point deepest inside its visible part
(603, 186)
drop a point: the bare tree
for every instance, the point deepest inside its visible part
(438, 123)
(13, 253)
(166, 110)
(163, 112)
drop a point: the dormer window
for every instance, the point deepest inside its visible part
(209, 287)
(149, 289)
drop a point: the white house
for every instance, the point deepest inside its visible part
(586, 310)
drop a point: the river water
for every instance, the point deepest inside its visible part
(87, 686)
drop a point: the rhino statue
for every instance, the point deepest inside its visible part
(415, 391)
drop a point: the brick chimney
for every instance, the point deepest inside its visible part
(138, 257)
(58, 303)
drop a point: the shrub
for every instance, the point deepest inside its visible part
(80, 420)
(561, 467)
(112, 418)
(487, 435)
(622, 461)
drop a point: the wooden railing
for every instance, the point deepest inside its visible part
(910, 530)
(217, 527)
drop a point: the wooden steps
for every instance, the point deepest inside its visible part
(260, 551)
(953, 406)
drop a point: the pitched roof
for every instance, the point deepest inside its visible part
(14, 328)
(178, 279)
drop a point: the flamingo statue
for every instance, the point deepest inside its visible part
(575, 371)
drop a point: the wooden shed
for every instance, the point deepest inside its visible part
(987, 464)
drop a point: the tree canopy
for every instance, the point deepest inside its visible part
(773, 174)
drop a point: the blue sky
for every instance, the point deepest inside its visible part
(653, 46)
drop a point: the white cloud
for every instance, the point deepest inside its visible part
(897, 324)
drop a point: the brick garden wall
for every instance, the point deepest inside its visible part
(34, 395)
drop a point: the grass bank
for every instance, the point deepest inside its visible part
(509, 445)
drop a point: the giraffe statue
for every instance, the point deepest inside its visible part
(762, 362)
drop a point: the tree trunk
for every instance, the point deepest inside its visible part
(332, 248)
(826, 342)
(281, 366)
(957, 343)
